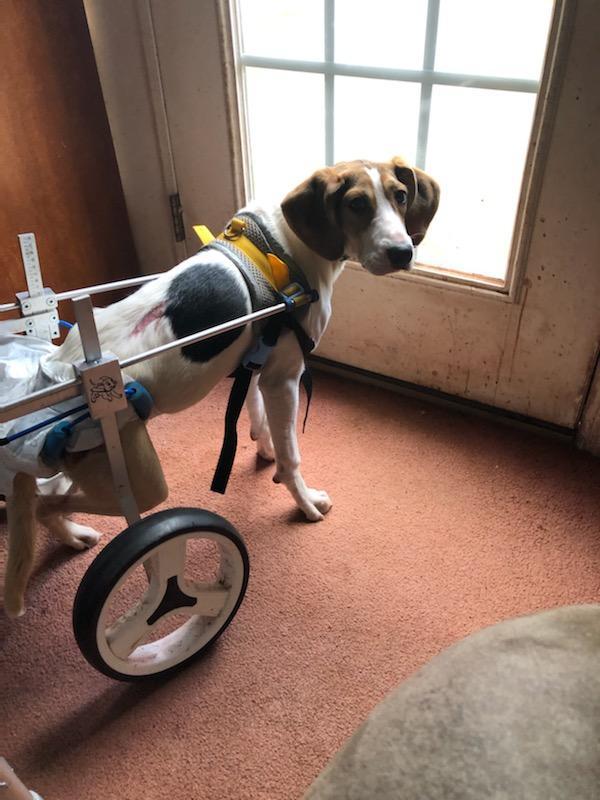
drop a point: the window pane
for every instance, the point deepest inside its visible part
(478, 142)
(375, 119)
(504, 38)
(283, 28)
(284, 148)
(381, 33)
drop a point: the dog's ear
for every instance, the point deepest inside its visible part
(312, 212)
(423, 198)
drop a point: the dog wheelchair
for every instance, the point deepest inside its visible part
(165, 588)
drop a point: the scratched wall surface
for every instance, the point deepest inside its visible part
(535, 356)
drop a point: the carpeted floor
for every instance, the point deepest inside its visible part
(442, 523)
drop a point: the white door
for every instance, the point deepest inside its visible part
(504, 308)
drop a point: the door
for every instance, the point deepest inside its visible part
(512, 324)
(525, 340)
(57, 164)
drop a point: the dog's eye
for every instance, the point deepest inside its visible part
(359, 203)
(401, 197)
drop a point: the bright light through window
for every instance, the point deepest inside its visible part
(449, 84)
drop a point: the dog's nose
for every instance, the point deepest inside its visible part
(400, 256)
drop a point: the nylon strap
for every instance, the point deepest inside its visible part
(307, 382)
(239, 390)
(241, 383)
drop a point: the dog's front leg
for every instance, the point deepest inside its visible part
(280, 391)
(259, 425)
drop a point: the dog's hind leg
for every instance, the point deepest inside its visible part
(91, 473)
(79, 537)
(259, 425)
(20, 511)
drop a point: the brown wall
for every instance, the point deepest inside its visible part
(58, 173)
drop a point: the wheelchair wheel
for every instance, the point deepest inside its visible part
(160, 593)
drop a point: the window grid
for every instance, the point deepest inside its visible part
(428, 77)
(433, 15)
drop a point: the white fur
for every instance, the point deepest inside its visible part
(386, 230)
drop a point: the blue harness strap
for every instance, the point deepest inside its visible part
(57, 439)
(140, 398)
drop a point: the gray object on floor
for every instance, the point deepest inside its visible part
(510, 712)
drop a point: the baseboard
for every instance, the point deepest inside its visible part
(444, 399)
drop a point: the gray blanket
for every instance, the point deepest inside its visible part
(511, 713)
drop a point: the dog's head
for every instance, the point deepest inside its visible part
(373, 213)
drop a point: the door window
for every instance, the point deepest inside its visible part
(449, 84)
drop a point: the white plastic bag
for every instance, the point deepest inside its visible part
(22, 372)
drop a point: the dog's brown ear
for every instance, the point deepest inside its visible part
(423, 198)
(311, 211)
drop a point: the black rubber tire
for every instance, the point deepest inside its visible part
(120, 554)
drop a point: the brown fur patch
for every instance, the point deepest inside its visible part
(324, 211)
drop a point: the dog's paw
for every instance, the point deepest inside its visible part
(319, 505)
(79, 537)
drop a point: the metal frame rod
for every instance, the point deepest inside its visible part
(84, 314)
(65, 391)
(109, 287)
(40, 399)
(88, 333)
(113, 286)
(224, 327)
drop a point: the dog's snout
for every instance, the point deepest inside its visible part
(400, 256)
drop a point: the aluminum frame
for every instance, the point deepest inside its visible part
(95, 360)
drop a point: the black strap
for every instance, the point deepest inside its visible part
(241, 383)
(239, 390)
(306, 381)
(307, 345)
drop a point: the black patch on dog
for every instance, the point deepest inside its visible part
(204, 295)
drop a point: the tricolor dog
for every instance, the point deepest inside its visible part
(372, 213)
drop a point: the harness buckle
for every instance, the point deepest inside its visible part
(235, 228)
(294, 296)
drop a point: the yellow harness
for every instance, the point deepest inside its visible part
(273, 268)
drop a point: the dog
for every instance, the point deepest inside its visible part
(369, 212)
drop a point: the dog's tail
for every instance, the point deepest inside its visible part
(21, 513)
